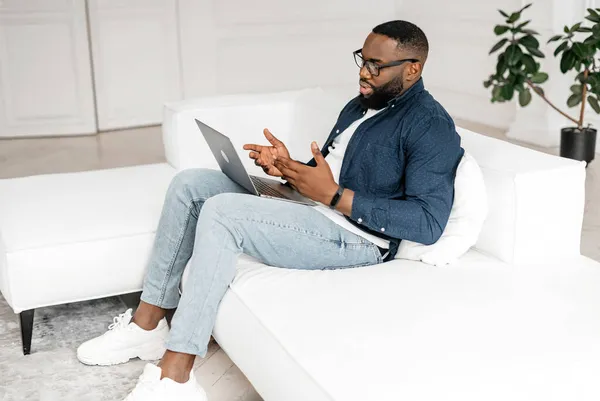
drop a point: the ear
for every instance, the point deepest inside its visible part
(413, 72)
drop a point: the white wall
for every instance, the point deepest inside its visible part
(233, 46)
(146, 52)
(460, 35)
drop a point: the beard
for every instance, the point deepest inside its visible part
(382, 94)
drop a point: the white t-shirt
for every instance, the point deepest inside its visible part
(335, 158)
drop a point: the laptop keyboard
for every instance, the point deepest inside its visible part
(265, 189)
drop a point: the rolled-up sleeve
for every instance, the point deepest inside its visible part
(433, 152)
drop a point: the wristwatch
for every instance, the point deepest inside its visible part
(336, 198)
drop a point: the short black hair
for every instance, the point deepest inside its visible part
(408, 35)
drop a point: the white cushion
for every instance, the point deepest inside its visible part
(477, 330)
(68, 237)
(464, 225)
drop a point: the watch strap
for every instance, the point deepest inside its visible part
(336, 198)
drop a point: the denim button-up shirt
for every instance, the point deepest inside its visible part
(401, 164)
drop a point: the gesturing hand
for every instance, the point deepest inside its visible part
(264, 156)
(316, 183)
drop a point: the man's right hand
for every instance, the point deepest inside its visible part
(264, 156)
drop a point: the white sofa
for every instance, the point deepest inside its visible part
(515, 319)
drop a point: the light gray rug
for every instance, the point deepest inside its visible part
(52, 372)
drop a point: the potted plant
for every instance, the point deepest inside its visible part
(518, 73)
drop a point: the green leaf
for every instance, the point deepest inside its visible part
(525, 98)
(498, 45)
(514, 17)
(503, 14)
(530, 32)
(584, 29)
(594, 103)
(487, 84)
(567, 61)
(539, 78)
(560, 48)
(566, 29)
(496, 94)
(536, 52)
(592, 15)
(575, 27)
(529, 63)
(529, 42)
(502, 65)
(591, 41)
(580, 50)
(500, 29)
(540, 90)
(573, 100)
(513, 54)
(596, 30)
(507, 92)
(554, 38)
(525, 7)
(577, 89)
(522, 24)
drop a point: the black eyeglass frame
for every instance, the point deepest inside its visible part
(374, 68)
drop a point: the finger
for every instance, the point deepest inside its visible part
(271, 138)
(251, 146)
(287, 172)
(290, 164)
(317, 153)
(254, 155)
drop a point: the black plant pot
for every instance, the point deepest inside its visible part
(578, 144)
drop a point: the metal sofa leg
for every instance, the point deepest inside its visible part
(26, 318)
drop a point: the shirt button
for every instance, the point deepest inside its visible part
(337, 131)
(392, 105)
(365, 112)
(382, 229)
(359, 221)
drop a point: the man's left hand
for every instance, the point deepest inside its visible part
(316, 183)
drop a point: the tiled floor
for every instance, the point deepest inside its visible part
(22, 157)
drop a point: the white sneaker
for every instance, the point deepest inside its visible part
(150, 387)
(123, 341)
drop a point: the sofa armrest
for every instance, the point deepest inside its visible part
(535, 201)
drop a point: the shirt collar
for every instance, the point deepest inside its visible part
(418, 87)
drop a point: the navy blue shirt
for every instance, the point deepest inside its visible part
(401, 164)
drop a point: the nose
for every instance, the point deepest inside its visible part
(364, 73)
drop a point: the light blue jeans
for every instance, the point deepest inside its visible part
(210, 219)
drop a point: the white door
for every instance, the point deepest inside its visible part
(136, 60)
(45, 76)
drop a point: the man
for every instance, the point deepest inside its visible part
(385, 174)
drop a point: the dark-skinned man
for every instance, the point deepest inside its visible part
(386, 173)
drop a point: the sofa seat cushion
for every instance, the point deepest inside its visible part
(403, 330)
(68, 237)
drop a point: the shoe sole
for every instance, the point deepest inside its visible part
(144, 355)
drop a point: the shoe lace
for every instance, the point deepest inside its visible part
(121, 321)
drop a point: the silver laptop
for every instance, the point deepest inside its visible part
(231, 164)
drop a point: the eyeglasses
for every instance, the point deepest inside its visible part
(373, 67)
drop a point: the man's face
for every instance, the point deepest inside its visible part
(377, 91)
